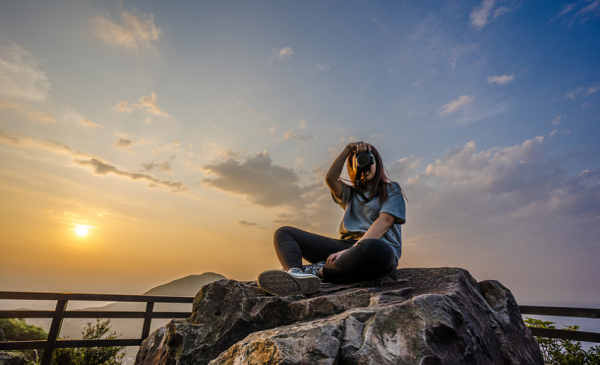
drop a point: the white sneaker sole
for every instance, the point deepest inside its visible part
(279, 282)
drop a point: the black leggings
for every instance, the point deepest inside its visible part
(369, 259)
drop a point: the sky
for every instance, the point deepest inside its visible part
(143, 141)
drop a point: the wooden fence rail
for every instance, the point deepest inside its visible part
(62, 299)
(60, 312)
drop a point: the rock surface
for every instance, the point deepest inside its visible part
(411, 316)
(12, 358)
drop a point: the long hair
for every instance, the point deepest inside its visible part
(381, 180)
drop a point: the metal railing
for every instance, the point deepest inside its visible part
(62, 299)
(563, 312)
(60, 312)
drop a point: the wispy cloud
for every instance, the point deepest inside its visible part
(283, 53)
(456, 104)
(89, 124)
(21, 79)
(558, 120)
(249, 224)
(160, 166)
(291, 135)
(43, 144)
(36, 115)
(581, 90)
(101, 168)
(500, 80)
(481, 13)
(321, 67)
(147, 103)
(123, 143)
(136, 31)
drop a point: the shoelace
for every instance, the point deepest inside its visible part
(314, 268)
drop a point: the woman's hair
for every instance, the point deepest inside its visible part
(380, 182)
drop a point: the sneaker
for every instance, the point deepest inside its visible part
(279, 282)
(314, 268)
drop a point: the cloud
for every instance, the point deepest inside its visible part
(291, 135)
(89, 124)
(581, 90)
(160, 166)
(404, 167)
(122, 107)
(150, 104)
(21, 80)
(136, 31)
(558, 119)
(500, 80)
(583, 13)
(302, 124)
(321, 67)
(123, 143)
(42, 144)
(259, 180)
(456, 104)
(249, 224)
(284, 53)
(147, 103)
(592, 90)
(101, 168)
(34, 114)
(516, 205)
(229, 154)
(500, 11)
(480, 14)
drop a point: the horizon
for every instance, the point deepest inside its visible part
(143, 142)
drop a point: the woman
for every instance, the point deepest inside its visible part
(371, 241)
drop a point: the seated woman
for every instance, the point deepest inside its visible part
(371, 238)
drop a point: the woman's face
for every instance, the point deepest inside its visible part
(369, 175)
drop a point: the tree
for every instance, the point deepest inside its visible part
(563, 352)
(112, 355)
(18, 330)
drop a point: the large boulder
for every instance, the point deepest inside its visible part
(411, 316)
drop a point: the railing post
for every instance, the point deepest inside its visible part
(147, 320)
(61, 305)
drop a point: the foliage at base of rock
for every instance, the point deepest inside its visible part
(560, 352)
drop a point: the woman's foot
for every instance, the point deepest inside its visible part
(292, 282)
(314, 269)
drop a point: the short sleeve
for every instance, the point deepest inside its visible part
(345, 195)
(395, 205)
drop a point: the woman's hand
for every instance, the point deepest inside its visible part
(334, 256)
(358, 147)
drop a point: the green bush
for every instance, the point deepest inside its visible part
(18, 330)
(92, 355)
(563, 352)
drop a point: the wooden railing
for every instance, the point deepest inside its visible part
(60, 312)
(563, 312)
(62, 299)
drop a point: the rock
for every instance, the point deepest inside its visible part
(12, 358)
(411, 316)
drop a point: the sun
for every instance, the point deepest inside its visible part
(82, 230)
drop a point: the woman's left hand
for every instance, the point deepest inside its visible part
(334, 256)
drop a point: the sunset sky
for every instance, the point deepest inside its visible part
(143, 141)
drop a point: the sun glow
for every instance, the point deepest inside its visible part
(82, 230)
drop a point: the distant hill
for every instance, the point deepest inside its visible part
(132, 328)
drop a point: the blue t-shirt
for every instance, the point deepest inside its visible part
(359, 216)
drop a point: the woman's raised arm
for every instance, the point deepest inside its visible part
(333, 175)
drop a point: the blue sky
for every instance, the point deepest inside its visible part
(183, 135)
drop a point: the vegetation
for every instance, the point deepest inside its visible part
(563, 352)
(18, 330)
(112, 355)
